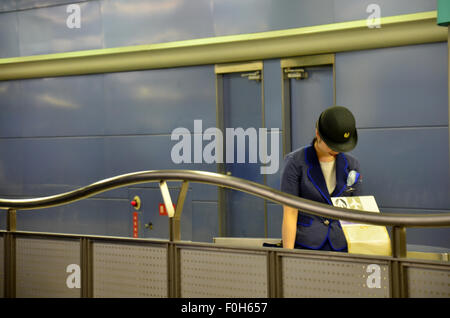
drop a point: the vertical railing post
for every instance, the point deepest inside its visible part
(10, 255)
(274, 275)
(87, 268)
(174, 216)
(176, 220)
(173, 279)
(11, 220)
(399, 242)
(174, 236)
(398, 251)
(174, 229)
(221, 151)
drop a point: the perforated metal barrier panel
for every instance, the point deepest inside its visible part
(50, 267)
(2, 268)
(222, 273)
(311, 277)
(42, 265)
(427, 282)
(126, 270)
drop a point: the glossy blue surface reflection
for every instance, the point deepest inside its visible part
(395, 87)
(347, 10)
(63, 106)
(44, 30)
(134, 22)
(158, 101)
(9, 35)
(405, 168)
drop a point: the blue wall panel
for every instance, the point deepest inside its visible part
(201, 191)
(11, 109)
(345, 10)
(205, 224)
(53, 35)
(405, 167)
(247, 217)
(9, 35)
(2, 220)
(236, 17)
(158, 101)
(273, 180)
(134, 22)
(91, 216)
(436, 237)
(274, 220)
(28, 4)
(7, 5)
(272, 94)
(395, 87)
(138, 153)
(58, 164)
(12, 167)
(63, 106)
(273, 114)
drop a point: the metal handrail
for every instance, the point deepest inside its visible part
(225, 181)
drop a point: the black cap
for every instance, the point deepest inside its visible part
(336, 126)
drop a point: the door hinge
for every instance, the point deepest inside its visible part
(297, 73)
(254, 76)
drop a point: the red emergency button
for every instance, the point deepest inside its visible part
(136, 203)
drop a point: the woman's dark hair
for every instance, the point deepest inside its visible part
(313, 141)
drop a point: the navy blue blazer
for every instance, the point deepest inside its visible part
(302, 176)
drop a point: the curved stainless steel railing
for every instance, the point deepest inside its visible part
(324, 210)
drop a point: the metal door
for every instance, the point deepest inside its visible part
(240, 107)
(308, 89)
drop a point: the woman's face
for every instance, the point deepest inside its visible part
(323, 146)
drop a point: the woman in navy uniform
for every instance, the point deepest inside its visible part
(318, 172)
